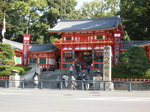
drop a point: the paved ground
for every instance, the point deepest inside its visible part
(35, 100)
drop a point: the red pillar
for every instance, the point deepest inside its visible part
(74, 60)
(38, 61)
(47, 61)
(149, 54)
(61, 67)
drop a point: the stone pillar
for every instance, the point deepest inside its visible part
(107, 84)
(107, 64)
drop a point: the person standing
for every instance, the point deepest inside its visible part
(65, 80)
(36, 80)
(58, 81)
(88, 69)
(71, 70)
(78, 69)
(73, 83)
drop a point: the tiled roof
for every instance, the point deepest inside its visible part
(32, 48)
(129, 44)
(41, 47)
(87, 24)
(15, 45)
(50, 47)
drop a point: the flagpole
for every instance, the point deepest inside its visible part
(4, 27)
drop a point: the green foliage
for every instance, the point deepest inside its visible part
(100, 8)
(147, 74)
(133, 63)
(5, 73)
(6, 70)
(119, 71)
(39, 15)
(36, 16)
(126, 37)
(136, 18)
(7, 53)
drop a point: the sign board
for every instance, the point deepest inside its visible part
(116, 47)
(26, 43)
(72, 54)
(92, 54)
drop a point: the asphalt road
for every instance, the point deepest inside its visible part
(35, 100)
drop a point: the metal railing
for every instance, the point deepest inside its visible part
(77, 85)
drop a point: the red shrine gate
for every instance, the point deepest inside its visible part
(86, 46)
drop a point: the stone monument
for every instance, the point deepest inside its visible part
(108, 85)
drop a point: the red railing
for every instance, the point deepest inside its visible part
(83, 40)
(129, 79)
(4, 77)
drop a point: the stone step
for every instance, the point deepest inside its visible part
(52, 75)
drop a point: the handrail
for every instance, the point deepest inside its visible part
(129, 79)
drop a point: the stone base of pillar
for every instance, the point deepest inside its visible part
(106, 86)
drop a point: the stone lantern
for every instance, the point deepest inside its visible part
(14, 79)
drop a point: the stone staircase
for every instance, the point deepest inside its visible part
(52, 75)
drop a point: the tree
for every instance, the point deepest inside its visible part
(136, 18)
(20, 15)
(36, 16)
(7, 53)
(135, 60)
(100, 8)
(3, 8)
(58, 9)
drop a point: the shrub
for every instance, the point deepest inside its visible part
(7, 53)
(5, 73)
(6, 69)
(135, 63)
(147, 74)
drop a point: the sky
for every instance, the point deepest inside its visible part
(80, 3)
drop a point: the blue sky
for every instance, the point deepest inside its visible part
(80, 3)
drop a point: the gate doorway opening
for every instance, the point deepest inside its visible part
(84, 58)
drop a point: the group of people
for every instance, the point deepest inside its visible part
(81, 81)
(78, 69)
(51, 68)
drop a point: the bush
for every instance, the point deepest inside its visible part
(147, 74)
(23, 67)
(133, 62)
(2, 68)
(6, 69)
(5, 73)
(7, 53)
(8, 61)
(120, 71)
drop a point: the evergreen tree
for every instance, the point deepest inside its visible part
(136, 18)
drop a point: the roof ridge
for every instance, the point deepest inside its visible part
(43, 44)
(12, 41)
(100, 18)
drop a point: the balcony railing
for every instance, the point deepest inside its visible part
(83, 41)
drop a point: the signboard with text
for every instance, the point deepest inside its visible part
(116, 46)
(26, 43)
